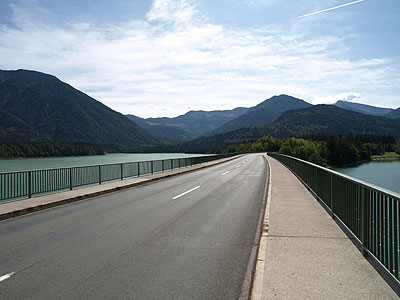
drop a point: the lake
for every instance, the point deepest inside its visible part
(10, 165)
(381, 173)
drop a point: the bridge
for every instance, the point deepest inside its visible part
(219, 232)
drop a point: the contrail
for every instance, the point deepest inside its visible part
(332, 8)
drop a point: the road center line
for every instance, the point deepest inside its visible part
(187, 192)
(223, 174)
(237, 166)
(4, 277)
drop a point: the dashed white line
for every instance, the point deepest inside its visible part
(187, 192)
(223, 174)
(4, 277)
(237, 166)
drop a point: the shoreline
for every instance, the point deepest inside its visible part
(385, 158)
(350, 165)
(363, 161)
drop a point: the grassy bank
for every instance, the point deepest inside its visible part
(386, 155)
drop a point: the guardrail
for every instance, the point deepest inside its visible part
(25, 184)
(370, 213)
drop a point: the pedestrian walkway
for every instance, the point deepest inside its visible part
(24, 206)
(303, 252)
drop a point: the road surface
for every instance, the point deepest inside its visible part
(185, 237)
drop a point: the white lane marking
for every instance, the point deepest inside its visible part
(223, 174)
(187, 192)
(4, 277)
(237, 166)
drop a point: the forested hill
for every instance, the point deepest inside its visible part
(317, 119)
(39, 107)
(188, 126)
(13, 129)
(262, 114)
(332, 120)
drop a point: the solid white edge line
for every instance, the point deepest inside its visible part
(256, 292)
(223, 174)
(4, 277)
(187, 192)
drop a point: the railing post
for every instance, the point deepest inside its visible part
(179, 163)
(307, 180)
(172, 164)
(332, 212)
(70, 179)
(152, 167)
(162, 166)
(364, 222)
(99, 174)
(316, 182)
(122, 172)
(29, 184)
(138, 169)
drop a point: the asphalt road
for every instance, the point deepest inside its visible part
(185, 237)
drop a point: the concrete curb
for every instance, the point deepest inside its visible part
(248, 286)
(258, 277)
(29, 208)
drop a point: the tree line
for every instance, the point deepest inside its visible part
(48, 149)
(324, 149)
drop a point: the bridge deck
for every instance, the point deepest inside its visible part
(24, 206)
(307, 255)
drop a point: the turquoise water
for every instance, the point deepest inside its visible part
(381, 173)
(10, 165)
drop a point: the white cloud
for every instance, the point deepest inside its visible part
(148, 70)
(350, 96)
(171, 11)
(346, 96)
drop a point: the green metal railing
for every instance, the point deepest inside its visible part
(25, 184)
(371, 213)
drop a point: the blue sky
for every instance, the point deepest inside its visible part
(165, 57)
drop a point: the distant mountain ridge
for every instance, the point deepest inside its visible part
(36, 107)
(39, 107)
(394, 114)
(262, 114)
(364, 108)
(332, 120)
(327, 119)
(188, 126)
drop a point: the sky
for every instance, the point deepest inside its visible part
(166, 57)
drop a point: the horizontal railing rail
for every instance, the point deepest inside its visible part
(25, 184)
(370, 213)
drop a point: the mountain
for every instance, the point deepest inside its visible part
(188, 126)
(394, 114)
(363, 108)
(16, 130)
(327, 119)
(172, 133)
(39, 107)
(262, 114)
(330, 119)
